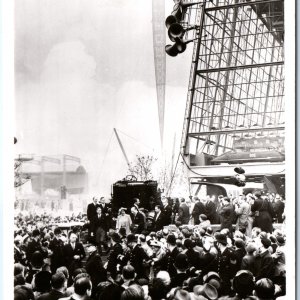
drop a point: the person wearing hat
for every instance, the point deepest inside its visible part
(138, 220)
(41, 283)
(115, 250)
(73, 253)
(184, 212)
(171, 254)
(206, 290)
(263, 213)
(204, 222)
(239, 250)
(123, 220)
(136, 256)
(224, 268)
(181, 264)
(94, 266)
(213, 279)
(56, 246)
(264, 264)
(192, 255)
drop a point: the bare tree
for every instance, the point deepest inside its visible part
(20, 178)
(142, 167)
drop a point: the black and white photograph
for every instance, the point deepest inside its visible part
(153, 154)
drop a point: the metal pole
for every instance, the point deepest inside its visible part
(122, 148)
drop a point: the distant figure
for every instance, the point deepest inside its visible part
(227, 213)
(183, 212)
(198, 210)
(210, 210)
(123, 220)
(91, 215)
(159, 218)
(136, 203)
(138, 221)
(278, 208)
(167, 211)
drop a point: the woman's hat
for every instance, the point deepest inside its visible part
(206, 290)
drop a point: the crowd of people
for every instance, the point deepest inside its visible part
(209, 248)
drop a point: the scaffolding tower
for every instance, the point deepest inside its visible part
(236, 87)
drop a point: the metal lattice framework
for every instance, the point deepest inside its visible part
(236, 87)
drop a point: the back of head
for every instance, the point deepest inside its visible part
(22, 292)
(243, 283)
(63, 270)
(58, 280)
(82, 285)
(107, 290)
(157, 289)
(134, 292)
(128, 272)
(18, 269)
(264, 288)
(42, 281)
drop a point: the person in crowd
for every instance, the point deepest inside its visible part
(181, 265)
(136, 256)
(264, 264)
(41, 283)
(203, 221)
(249, 260)
(123, 220)
(19, 254)
(94, 266)
(183, 212)
(22, 292)
(59, 284)
(100, 229)
(91, 215)
(136, 203)
(138, 221)
(135, 292)
(278, 207)
(115, 250)
(82, 288)
(106, 211)
(243, 211)
(56, 246)
(227, 213)
(73, 253)
(210, 210)
(159, 218)
(166, 210)
(264, 289)
(34, 245)
(197, 210)
(263, 213)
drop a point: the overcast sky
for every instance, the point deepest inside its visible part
(85, 67)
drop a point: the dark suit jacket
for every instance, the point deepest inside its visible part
(71, 263)
(32, 247)
(167, 211)
(91, 211)
(249, 263)
(99, 222)
(138, 222)
(52, 295)
(266, 213)
(136, 258)
(264, 266)
(210, 211)
(227, 213)
(183, 214)
(160, 222)
(197, 211)
(278, 208)
(57, 258)
(95, 269)
(112, 259)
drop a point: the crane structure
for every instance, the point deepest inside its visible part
(235, 109)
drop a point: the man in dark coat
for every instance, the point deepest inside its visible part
(138, 221)
(181, 265)
(115, 251)
(197, 210)
(278, 207)
(91, 215)
(56, 246)
(183, 212)
(59, 283)
(210, 210)
(73, 254)
(94, 267)
(34, 245)
(264, 264)
(264, 213)
(169, 260)
(224, 263)
(106, 211)
(136, 256)
(227, 213)
(167, 211)
(159, 218)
